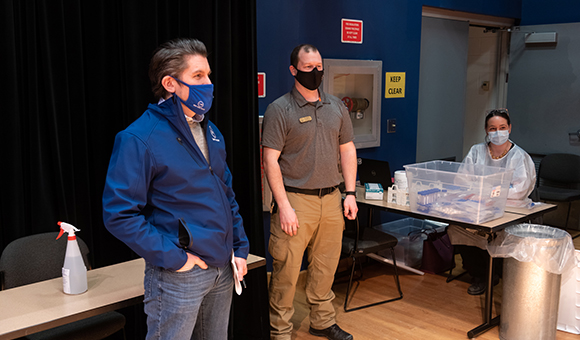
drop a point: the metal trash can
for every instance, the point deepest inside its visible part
(536, 257)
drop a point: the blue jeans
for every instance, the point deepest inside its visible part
(188, 305)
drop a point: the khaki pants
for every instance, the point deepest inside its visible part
(320, 230)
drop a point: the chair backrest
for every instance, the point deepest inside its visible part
(352, 228)
(35, 258)
(535, 195)
(560, 169)
(351, 236)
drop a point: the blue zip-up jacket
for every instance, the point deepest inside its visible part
(162, 198)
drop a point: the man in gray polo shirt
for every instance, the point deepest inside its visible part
(307, 137)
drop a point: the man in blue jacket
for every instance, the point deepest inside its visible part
(168, 196)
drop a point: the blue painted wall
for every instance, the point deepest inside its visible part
(543, 12)
(391, 33)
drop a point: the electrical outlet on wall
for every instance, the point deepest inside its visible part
(391, 125)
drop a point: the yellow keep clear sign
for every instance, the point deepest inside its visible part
(395, 85)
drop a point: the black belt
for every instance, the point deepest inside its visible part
(316, 192)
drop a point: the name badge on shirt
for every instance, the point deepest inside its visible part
(305, 119)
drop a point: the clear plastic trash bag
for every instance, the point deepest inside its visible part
(550, 248)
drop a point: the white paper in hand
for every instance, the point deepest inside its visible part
(237, 282)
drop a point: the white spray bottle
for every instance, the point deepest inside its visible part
(74, 272)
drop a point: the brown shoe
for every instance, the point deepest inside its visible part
(333, 333)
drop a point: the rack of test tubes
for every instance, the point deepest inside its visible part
(457, 191)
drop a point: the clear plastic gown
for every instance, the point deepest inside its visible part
(524, 177)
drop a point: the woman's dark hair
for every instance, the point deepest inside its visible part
(294, 55)
(169, 59)
(498, 113)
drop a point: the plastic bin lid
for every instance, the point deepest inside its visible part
(550, 248)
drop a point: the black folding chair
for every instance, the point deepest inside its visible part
(356, 244)
(559, 179)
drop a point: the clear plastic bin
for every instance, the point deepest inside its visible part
(464, 192)
(408, 231)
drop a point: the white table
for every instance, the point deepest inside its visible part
(42, 305)
(511, 216)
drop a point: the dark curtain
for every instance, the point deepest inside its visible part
(75, 74)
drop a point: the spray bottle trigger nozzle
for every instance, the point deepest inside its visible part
(66, 227)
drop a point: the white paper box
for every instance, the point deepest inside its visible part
(569, 307)
(373, 191)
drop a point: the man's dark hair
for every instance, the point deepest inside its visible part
(294, 55)
(169, 59)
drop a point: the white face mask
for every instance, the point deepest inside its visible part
(499, 137)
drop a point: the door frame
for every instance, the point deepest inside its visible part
(503, 25)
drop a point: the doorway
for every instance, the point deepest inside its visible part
(486, 84)
(463, 74)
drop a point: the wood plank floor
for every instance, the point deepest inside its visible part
(430, 308)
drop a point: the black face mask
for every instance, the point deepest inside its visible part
(310, 80)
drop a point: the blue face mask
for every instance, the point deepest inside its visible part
(200, 97)
(499, 137)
